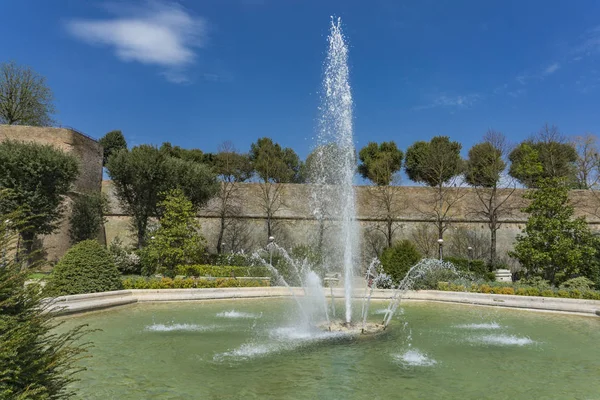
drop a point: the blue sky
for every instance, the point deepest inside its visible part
(197, 73)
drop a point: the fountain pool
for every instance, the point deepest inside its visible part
(247, 349)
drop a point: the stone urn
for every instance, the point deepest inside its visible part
(503, 275)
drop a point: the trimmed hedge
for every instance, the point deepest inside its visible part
(222, 271)
(190, 283)
(86, 268)
(520, 290)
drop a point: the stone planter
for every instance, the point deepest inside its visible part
(503, 275)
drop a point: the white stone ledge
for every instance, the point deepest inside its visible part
(96, 301)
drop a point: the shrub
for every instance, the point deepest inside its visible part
(574, 294)
(189, 283)
(562, 293)
(536, 282)
(485, 289)
(86, 268)
(443, 286)
(521, 292)
(398, 259)
(533, 291)
(547, 293)
(127, 262)
(581, 283)
(222, 271)
(477, 268)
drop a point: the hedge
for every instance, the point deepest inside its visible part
(222, 271)
(190, 283)
(520, 290)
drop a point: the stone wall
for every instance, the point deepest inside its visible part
(89, 154)
(297, 225)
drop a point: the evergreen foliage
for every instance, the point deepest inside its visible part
(379, 163)
(398, 259)
(554, 245)
(112, 142)
(36, 362)
(177, 241)
(34, 179)
(87, 217)
(86, 268)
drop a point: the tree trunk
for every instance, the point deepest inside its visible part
(27, 242)
(390, 222)
(493, 247)
(221, 233)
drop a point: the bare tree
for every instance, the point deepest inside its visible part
(25, 98)
(387, 201)
(587, 161)
(232, 169)
(424, 236)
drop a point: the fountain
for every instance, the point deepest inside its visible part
(331, 176)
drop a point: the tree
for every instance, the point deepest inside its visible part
(231, 168)
(380, 164)
(274, 165)
(587, 164)
(195, 155)
(25, 98)
(36, 361)
(484, 169)
(555, 245)
(438, 165)
(35, 179)
(177, 241)
(87, 217)
(546, 155)
(142, 175)
(112, 142)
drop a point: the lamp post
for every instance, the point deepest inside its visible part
(470, 251)
(441, 246)
(270, 246)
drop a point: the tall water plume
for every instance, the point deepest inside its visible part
(334, 165)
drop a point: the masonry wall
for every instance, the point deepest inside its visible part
(297, 225)
(89, 154)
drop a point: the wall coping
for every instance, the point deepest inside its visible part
(81, 303)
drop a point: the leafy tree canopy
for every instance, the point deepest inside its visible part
(35, 178)
(484, 165)
(547, 155)
(434, 163)
(25, 98)
(112, 142)
(379, 163)
(144, 173)
(273, 163)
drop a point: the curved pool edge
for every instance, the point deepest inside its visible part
(82, 303)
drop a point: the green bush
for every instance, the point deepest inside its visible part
(398, 259)
(127, 261)
(478, 268)
(536, 282)
(87, 217)
(222, 271)
(189, 283)
(581, 283)
(86, 268)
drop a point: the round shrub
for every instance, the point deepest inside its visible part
(86, 268)
(398, 259)
(581, 283)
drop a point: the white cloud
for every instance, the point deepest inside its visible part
(460, 101)
(155, 33)
(551, 69)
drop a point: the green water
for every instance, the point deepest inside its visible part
(191, 350)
